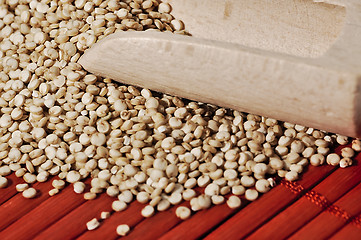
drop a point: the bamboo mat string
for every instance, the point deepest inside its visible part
(339, 212)
(311, 204)
(357, 221)
(294, 187)
(317, 199)
(350, 231)
(257, 213)
(332, 219)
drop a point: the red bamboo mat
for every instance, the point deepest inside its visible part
(324, 204)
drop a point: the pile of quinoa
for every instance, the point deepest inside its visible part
(59, 120)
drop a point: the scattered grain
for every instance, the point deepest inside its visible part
(3, 182)
(251, 194)
(183, 212)
(92, 224)
(148, 211)
(29, 193)
(123, 230)
(233, 202)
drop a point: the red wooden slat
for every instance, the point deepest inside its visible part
(325, 224)
(18, 206)
(258, 212)
(107, 229)
(46, 213)
(302, 211)
(10, 190)
(157, 225)
(348, 232)
(74, 223)
(200, 223)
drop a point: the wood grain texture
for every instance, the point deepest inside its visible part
(107, 230)
(18, 206)
(322, 92)
(327, 223)
(201, 223)
(297, 28)
(42, 216)
(253, 216)
(349, 232)
(296, 215)
(155, 226)
(81, 215)
(12, 182)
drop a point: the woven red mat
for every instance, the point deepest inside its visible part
(324, 204)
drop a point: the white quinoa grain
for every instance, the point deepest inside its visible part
(164, 8)
(58, 184)
(347, 152)
(251, 194)
(238, 190)
(21, 187)
(333, 159)
(147, 211)
(188, 194)
(79, 187)
(126, 196)
(73, 177)
(317, 159)
(212, 189)
(89, 196)
(291, 176)
(29, 178)
(233, 202)
(175, 198)
(183, 212)
(345, 162)
(29, 193)
(204, 201)
(3, 182)
(262, 185)
(53, 191)
(356, 145)
(123, 229)
(217, 199)
(143, 197)
(342, 140)
(163, 205)
(119, 205)
(247, 181)
(92, 224)
(5, 170)
(105, 215)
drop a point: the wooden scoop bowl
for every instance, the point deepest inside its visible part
(296, 61)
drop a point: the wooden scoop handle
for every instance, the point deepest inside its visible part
(324, 92)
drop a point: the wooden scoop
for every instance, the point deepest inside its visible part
(296, 61)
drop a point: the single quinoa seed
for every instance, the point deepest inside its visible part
(123, 230)
(29, 193)
(92, 224)
(3, 182)
(233, 202)
(183, 212)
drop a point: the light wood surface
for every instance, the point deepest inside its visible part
(297, 61)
